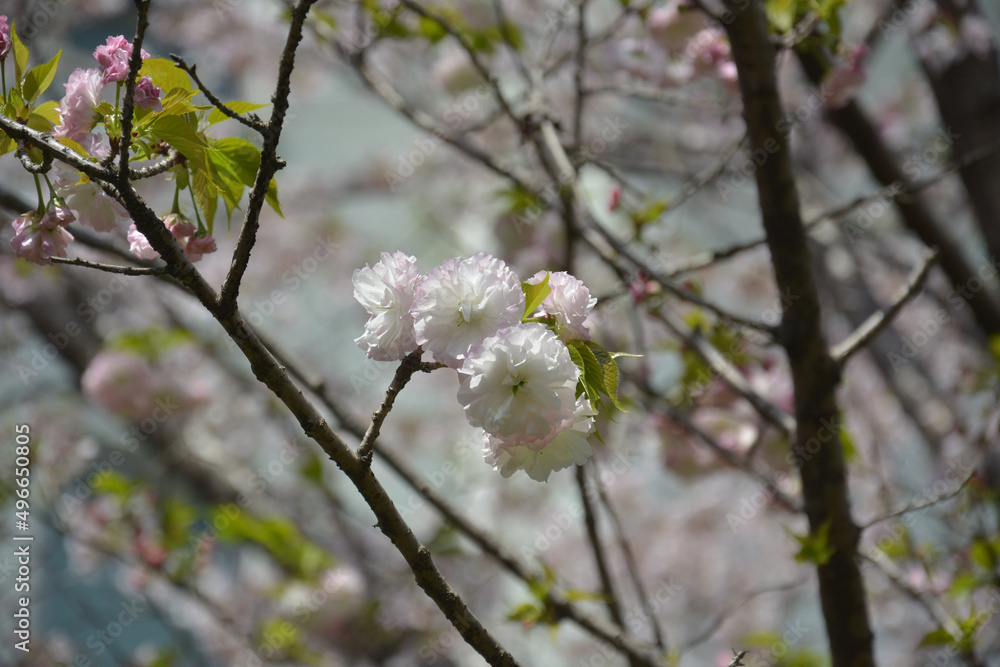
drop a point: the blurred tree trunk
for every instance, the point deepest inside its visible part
(815, 374)
(966, 85)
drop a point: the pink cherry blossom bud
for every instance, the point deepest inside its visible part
(198, 246)
(180, 227)
(113, 57)
(138, 244)
(39, 237)
(4, 37)
(147, 96)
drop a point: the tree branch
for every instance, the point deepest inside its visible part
(269, 161)
(112, 268)
(878, 321)
(815, 374)
(251, 121)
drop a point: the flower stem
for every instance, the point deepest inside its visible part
(38, 187)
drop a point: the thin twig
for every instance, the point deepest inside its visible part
(724, 615)
(157, 168)
(581, 64)
(600, 559)
(924, 504)
(410, 365)
(878, 321)
(424, 121)
(269, 161)
(112, 268)
(30, 166)
(252, 121)
(128, 103)
(766, 477)
(53, 149)
(630, 562)
(470, 50)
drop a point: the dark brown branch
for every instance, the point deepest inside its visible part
(874, 325)
(409, 366)
(128, 103)
(597, 548)
(631, 564)
(53, 149)
(486, 543)
(853, 122)
(251, 121)
(815, 374)
(269, 161)
(155, 169)
(112, 268)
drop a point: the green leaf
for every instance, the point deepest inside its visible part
(39, 122)
(271, 197)
(48, 111)
(224, 176)
(847, 445)
(781, 14)
(179, 133)
(243, 156)
(150, 343)
(651, 213)
(239, 106)
(38, 79)
(176, 519)
(815, 547)
(983, 555)
(938, 637)
(278, 536)
(166, 74)
(432, 30)
(534, 294)
(20, 57)
(609, 373)
(177, 102)
(206, 196)
(6, 144)
(113, 483)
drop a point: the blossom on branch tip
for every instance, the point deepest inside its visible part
(464, 301)
(113, 57)
(92, 206)
(569, 303)
(520, 386)
(567, 447)
(77, 114)
(386, 291)
(38, 237)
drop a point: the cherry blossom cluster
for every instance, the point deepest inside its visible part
(42, 234)
(517, 378)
